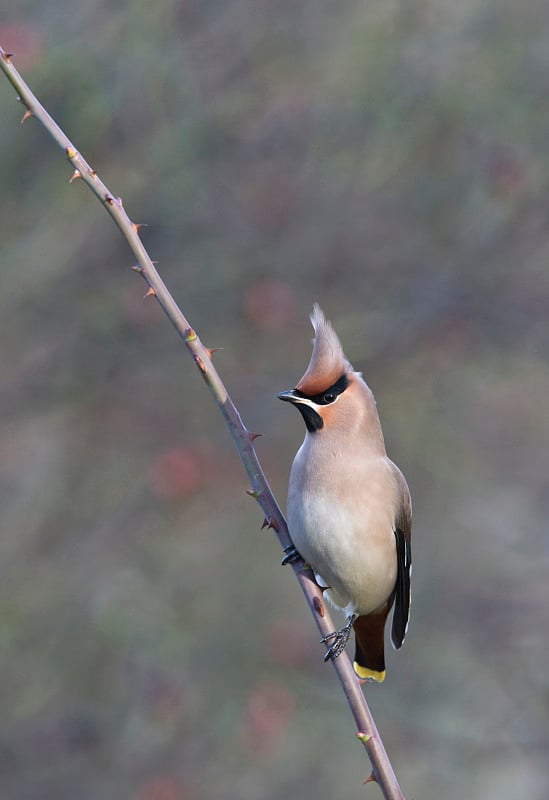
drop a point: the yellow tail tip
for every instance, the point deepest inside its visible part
(364, 673)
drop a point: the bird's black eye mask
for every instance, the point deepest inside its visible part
(312, 419)
(329, 395)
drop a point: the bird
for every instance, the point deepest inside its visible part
(349, 508)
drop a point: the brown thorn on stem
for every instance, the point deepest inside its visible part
(76, 174)
(28, 113)
(211, 350)
(253, 436)
(200, 364)
(371, 778)
(7, 57)
(150, 293)
(137, 225)
(270, 523)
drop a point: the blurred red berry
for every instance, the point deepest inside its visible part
(290, 645)
(23, 41)
(162, 787)
(269, 305)
(178, 473)
(508, 173)
(269, 711)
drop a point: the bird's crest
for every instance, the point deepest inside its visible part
(328, 362)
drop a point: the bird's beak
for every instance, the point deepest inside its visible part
(306, 407)
(289, 396)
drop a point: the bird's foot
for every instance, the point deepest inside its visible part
(340, 638)
(291, 556)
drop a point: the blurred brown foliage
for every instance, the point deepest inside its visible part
(390, 160)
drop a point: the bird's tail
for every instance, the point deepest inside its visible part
(369, 645)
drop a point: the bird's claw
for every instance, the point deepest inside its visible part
(340, 637)
(336, 649)
(291, 556)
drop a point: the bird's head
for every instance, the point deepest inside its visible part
(331, 395)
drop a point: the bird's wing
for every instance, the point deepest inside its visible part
(403, 535)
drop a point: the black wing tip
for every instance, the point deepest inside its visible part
(401, 613)
(398, 635)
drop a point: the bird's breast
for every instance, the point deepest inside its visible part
(342, 522)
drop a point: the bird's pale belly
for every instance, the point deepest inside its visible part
(355, 558)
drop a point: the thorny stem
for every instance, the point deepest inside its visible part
(382, 771)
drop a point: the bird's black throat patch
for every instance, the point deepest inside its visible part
(313, 421)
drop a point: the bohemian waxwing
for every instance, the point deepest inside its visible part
(349, 507)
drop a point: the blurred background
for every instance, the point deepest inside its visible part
(390, 160)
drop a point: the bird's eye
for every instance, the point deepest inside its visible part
(329, 397)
